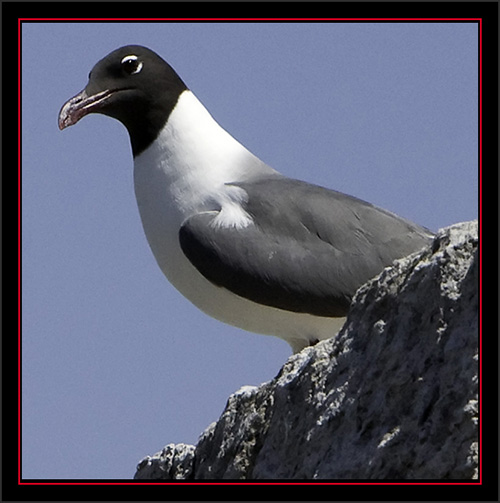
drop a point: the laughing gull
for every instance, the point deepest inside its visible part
(245, 244)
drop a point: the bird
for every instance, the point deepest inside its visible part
(244, 243)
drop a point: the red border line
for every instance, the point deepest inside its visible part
(480, 349)
(257, 483)
(125, 19)
(21, 20)
(19, 250)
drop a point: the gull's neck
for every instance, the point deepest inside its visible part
(193, 158)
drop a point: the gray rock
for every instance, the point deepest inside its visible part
(173, 462)
(393, 396)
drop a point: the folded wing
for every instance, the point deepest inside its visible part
(308, 249)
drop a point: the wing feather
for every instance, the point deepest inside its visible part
(308, 249)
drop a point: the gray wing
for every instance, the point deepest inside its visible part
(308, 250)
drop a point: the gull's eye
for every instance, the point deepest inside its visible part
(131, 64)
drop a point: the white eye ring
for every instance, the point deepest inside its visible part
(130, 58)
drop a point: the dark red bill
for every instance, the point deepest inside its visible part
(81, 105)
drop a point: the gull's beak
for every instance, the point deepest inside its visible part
(81, 105)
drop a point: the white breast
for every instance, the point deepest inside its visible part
(184, 172)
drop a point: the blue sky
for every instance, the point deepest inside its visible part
(116, 363)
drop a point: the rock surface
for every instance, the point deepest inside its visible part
(393, 396)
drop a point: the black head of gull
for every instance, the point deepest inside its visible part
(242, 242)
(132, 84)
